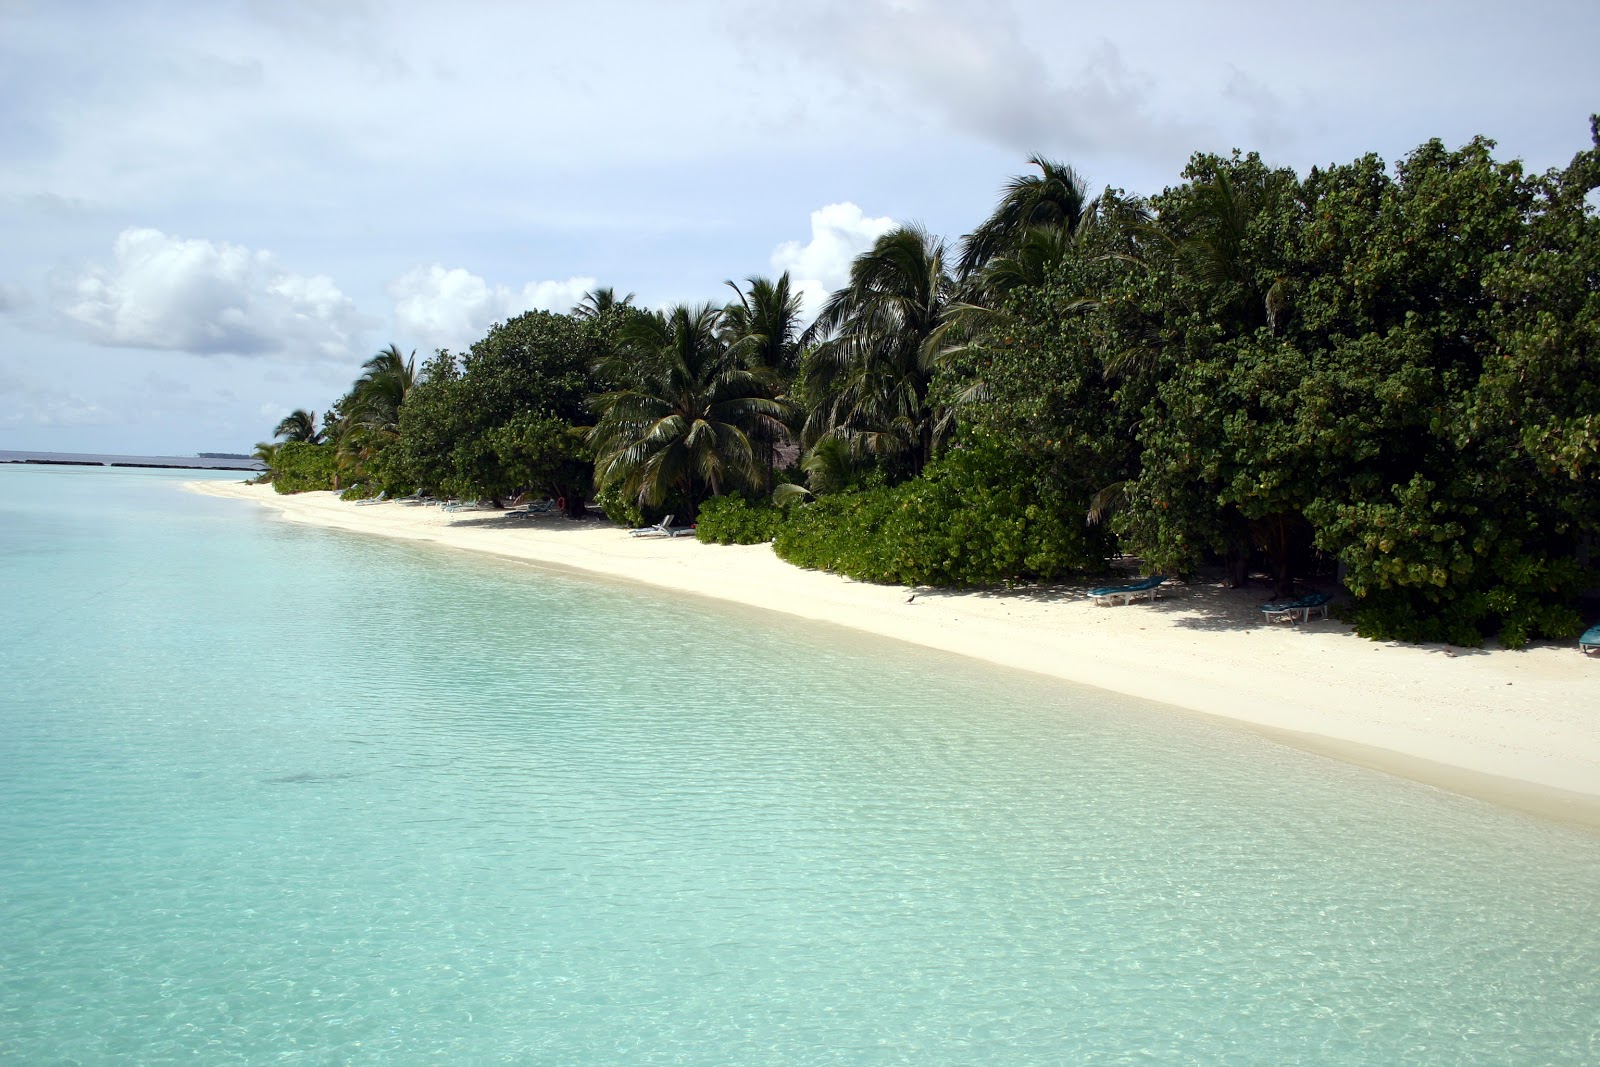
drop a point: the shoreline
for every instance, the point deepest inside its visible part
(1516, 728)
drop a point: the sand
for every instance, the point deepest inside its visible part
(1520, 728)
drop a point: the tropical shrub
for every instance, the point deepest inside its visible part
(300, 467)
(730, 520)
(976, 516)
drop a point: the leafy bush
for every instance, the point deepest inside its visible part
(974, 517)
(299, 467)
(729, 520)
(619, 507)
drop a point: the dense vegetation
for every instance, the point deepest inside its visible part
(1391, 376)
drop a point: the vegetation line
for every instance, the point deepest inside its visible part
(1387, 380)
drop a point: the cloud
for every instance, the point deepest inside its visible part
(839, 233)
(977, 69)
(439, 307)
(193, 295)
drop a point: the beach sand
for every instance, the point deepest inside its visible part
(1519, 728)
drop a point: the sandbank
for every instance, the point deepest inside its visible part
(1519, 728)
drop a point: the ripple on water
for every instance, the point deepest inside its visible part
(293, 795)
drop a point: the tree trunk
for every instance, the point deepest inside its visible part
(1280, 546)
(1238, 564)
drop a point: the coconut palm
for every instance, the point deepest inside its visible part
(381, 390)
(299, 425)
(1057, 198)
(690, 421)
(598, 301)
(767, 317)
(267, 453)
(878, 346)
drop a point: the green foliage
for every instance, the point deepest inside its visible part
(545, 452)
(299, 426)
(729, 520)
(1397, 369)
(487, 426)
(977, 516)
(302, 467)
(623, 509)
(688, 420)
(870, 375)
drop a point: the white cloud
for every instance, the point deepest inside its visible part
(439, 307)
(839, 233)
(193, 295)
(986, 72)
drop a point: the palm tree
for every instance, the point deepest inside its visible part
(691, 421)
(881, 345)
(381, 390)
(1057, 198)
(267, 453)
(299, 425)
(598, 301)
(767, 317)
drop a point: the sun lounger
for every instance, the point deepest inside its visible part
(1144, 587)
(380, 498)
(535, 507)
(664, 528)
(1590, 641)
(660, 529)
(1297, 610)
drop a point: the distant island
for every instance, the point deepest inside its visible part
(210, 461)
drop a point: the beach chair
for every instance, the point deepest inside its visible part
(1144, 587)
(1590, 641)
(660, 529)
(534, 507)
(380, 498)
(1298, 610)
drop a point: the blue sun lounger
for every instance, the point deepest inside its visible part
(1590, 641)
(1146, 587)
(1298, 610)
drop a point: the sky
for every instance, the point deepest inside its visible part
(215, 211)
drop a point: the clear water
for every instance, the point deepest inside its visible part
(274, 794)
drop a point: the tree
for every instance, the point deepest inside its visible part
(299, 425)
(689, 419)
(1042, 367)
(534, 368)
(381, 390)
(266, 452)
(1220, 470)
(878, 347)
(766, 319)
(1377, 368)
(597, 302)
(1055, 199)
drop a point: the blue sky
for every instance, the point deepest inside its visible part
(215, 211)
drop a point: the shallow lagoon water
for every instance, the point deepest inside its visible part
(278, 794)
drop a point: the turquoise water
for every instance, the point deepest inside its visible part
(276, 794)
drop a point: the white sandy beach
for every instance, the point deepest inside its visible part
(1517, 727)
